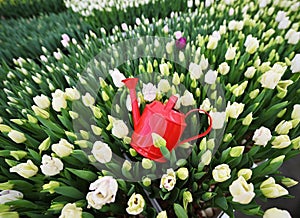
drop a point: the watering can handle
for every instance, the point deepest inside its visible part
(201, 134)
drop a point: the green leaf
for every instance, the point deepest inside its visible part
(179, 211)
(87, 215)
(69, 192)
(22, 204)
(83, 174)
(221, 202)
(165, 152)
(35, 155)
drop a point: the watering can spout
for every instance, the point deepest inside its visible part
(131, 83)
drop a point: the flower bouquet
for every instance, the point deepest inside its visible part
(68, 129)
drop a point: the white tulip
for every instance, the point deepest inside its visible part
(102, 152)
(292, 36)
(149, 91)
(210, 77)
(136, 204)
(296, 112)
(281, 141)
(168, 180)
(230, 53)
(218, 119)
(251, 44)
(295, 64)
(42, 101)
(164, 69)
(224, 68)
(270, 79)
(119, 129)
(187, 99)
(72, 94)
(284, 23)
(195, 71)
(163, 86)
(284, 127)
(280, 16)
(63, 148)
(178, 34)
(51, 166)
(88, 100)
(70, 210)
(103, 191)
(10, 195)
(262, 136)
(276, 213)
(250, 72)
(16, 136)
(270, 189)
(205, 105)
(25, 170)
(221, 173)
(117, 77)
(59, 103)
(241, 191)
(234, 110)
(235, 25)
(212, 43)
(203, 62)
(206, 158)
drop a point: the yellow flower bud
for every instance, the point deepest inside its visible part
(247, 120)
(236, 151)
(246, 173)
(182, 173)
(147, 164)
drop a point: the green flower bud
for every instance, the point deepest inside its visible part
(97, 112)
(83, 143)
(158, 141)
(31, 119)
(278, 159)
(96, 130)
(296, 143)
(281, 113)
(50, 187)
(176, 79)
(149, 67)
(247, 120)
(183, 173)
(17, 121)
(211, 144)
(198, 92)
(207, 196)
(206, 158)
(132, 152)
(127, 140)
(73, 115)
(254, 93)
(72, 136)
(202, 145)
(40, 112)
(238, 91)
(146, 181)
(18, 155)
(182, 77)
(236, 151)
(4, 128)
(187, 198)
(6, 185)
(84, 134)
(147, 164)
(103, 84)
(162, 214)
(126, 165)
(181, 162)
(105, 97)
(288, 182)
(45, 145)
(194, 83)
(155, 63)
(227, 137)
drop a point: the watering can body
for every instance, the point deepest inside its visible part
(157, 118)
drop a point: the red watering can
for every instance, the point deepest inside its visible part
(160, 119)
